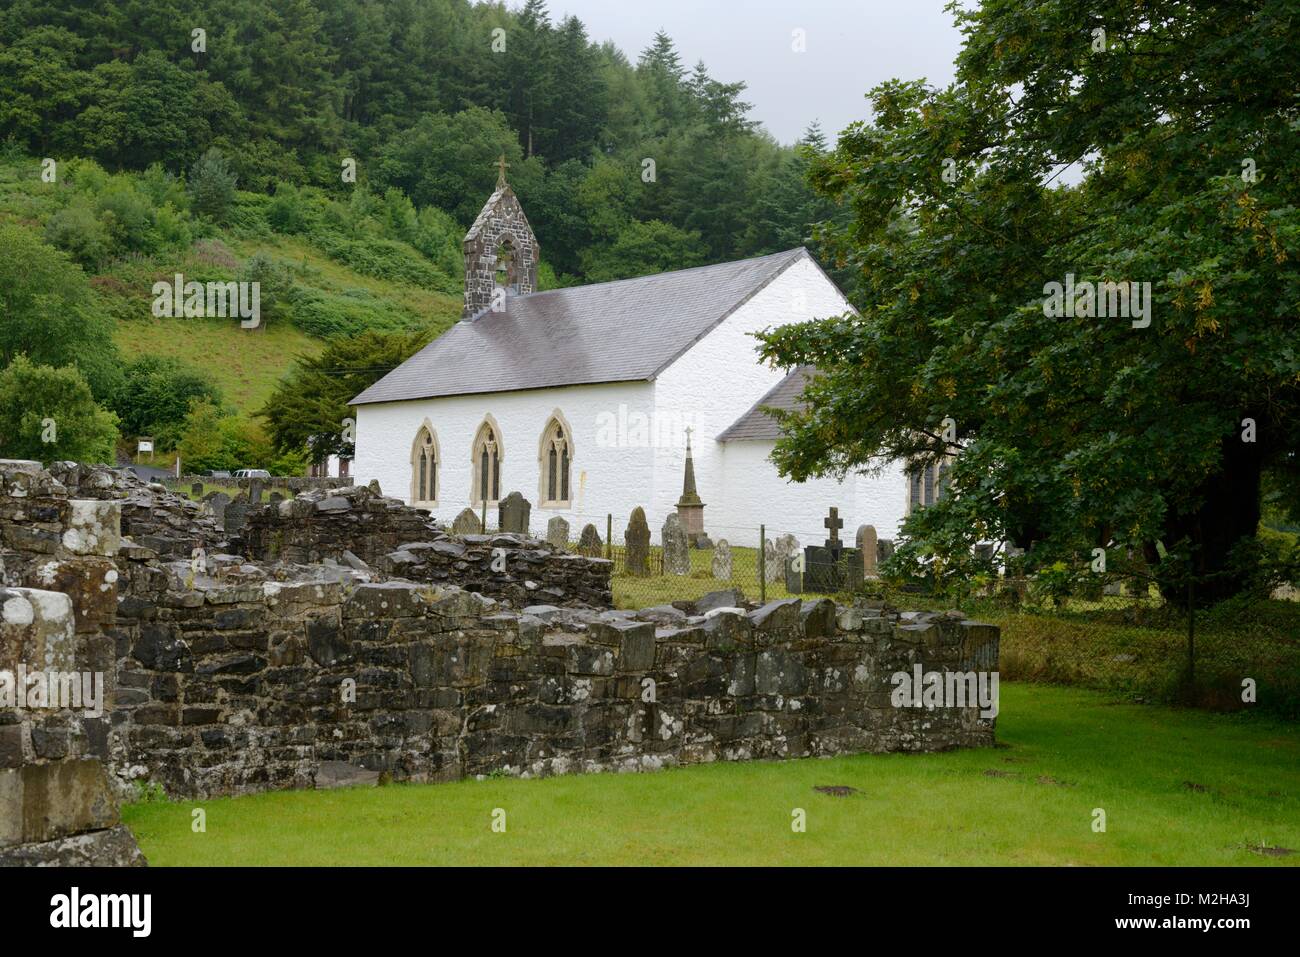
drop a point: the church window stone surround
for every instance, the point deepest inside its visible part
(485, 464)
(555, 463)
(424, 466)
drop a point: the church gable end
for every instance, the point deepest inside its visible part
(500, 250)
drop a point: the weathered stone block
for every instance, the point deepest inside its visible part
(42, 802)
(94, 527)
(37, 630)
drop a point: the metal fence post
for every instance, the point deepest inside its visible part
(762, 563)
(484, 529)
(609, 535)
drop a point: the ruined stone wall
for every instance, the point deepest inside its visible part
(228, 676)
(58, 592)
(242, 688)
(399, 541)
(152, 516)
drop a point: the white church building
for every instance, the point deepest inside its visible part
(583, 398)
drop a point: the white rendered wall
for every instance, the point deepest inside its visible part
(629, 440)
(716, 382)
(757, 493)
(609, 476)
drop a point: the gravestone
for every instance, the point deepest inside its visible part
(512, 514)
(831, 567)
(236, 516)
(196, 490)
(374, 487)
(786, 547)
(589, 543)
(217, 502)
(466, 523)
(677, 547)
(884, 550)
(868, 545)
(722, 565)
(557, 533)
(636, 544)
(275, 498)
(255, 491)
(793, 574)
(772, 570)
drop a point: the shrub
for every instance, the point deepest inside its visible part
(287, 212)
(212, 185)
(384, 259)
(128, 218)
(48, 414)
(275, 283)
(214, 440)
(76, 230)
(156, 396)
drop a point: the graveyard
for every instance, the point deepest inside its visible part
(300, 668)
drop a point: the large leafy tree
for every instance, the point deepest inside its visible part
(47, 312)
(1073, 431)
(156, 396)
(48, 414)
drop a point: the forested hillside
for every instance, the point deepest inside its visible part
(423, 96)
(334, 151)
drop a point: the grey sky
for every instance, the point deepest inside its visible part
(851, 46)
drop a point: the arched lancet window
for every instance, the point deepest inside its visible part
(556, 460)
(485, 464)
(926, 484)
(424, 467)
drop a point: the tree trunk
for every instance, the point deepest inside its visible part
(1229, 512)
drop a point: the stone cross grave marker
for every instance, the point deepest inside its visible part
(834, 523)
(832, 567)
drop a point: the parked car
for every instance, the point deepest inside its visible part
(252, 473)
(216, 474)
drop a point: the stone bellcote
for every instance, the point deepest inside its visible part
(500, 250)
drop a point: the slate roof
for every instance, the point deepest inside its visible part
(785, 395)
(621, 331)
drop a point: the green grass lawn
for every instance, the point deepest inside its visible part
(1178, 787)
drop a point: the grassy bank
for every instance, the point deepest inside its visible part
(1177, 787)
